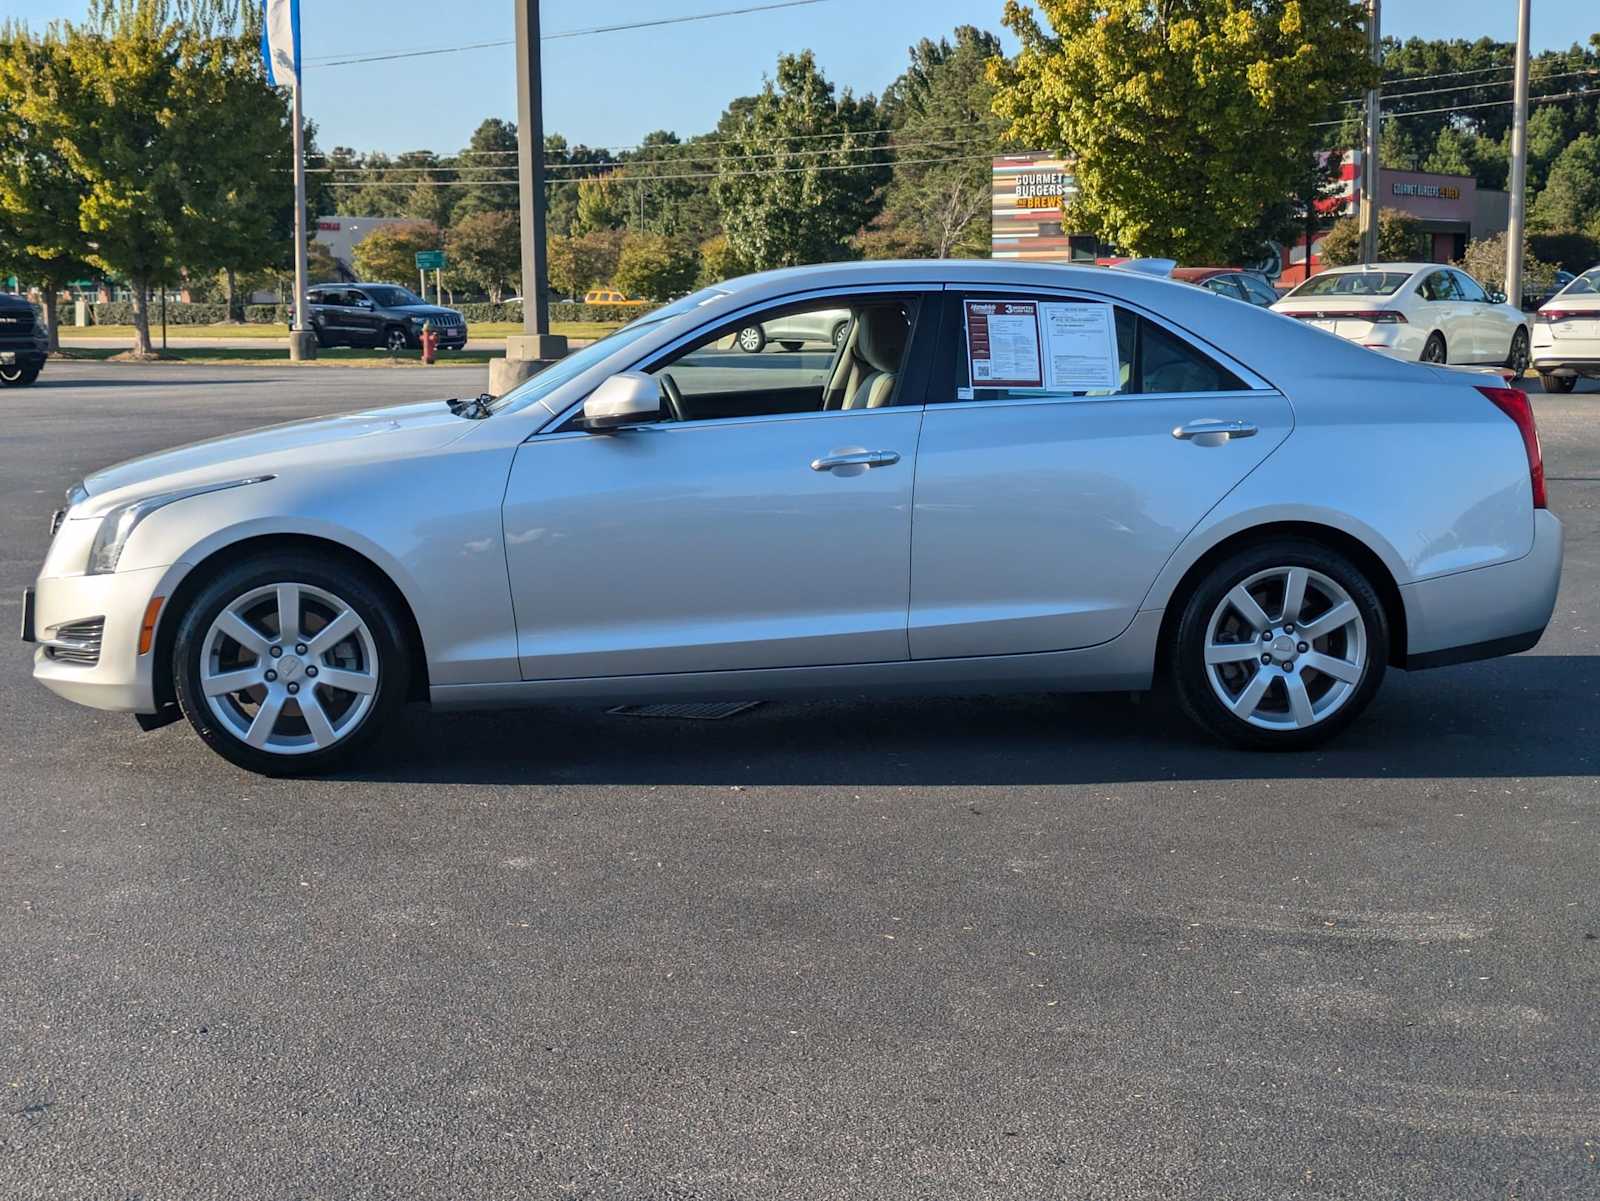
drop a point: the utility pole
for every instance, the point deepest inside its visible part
(1369, 156)
(1519, 162)
(535, 348)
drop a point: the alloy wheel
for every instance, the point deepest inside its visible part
(751, 339)
(1286, 648)
(1433, 351)
(289, 669)
(396, 340)
(1518, 361)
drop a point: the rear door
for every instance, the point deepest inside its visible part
(1446, 310)
(1044, 512)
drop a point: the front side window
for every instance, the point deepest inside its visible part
(1224, 285)
(1587, 284)
(1468, 287)
(1022, 347)
(389, 297)
(838, 353)
(1257, 291)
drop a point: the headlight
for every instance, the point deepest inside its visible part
(118, 522)
(419, 321)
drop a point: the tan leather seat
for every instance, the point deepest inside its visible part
(881, 333)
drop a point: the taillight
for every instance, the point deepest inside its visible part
(1515, 404)
(1548, 315)
(1372, 316)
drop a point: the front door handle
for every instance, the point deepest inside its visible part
(858, 458)
(1213, 431)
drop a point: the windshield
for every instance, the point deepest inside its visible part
(1351, 283)
(390, 297)
(1587, 284)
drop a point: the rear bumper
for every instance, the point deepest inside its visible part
(1551, 361)
(1491, 611)
(121, 679)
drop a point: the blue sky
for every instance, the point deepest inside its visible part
(610, 89)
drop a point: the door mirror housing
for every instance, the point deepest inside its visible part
(364, 303)
(627, 398)
(1497, 297)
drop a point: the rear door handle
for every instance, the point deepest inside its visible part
(859, 458)
(1213, 431)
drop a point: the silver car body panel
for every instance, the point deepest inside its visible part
(779, 578)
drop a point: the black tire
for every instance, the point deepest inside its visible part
(791, 347)
(1186, 652)
(395, 339)
(752, 339)
(1517, 360)
(839, 332)
(322, 339)
(352, 585)
(1434, 349)
(1558, 384)
(19, 377)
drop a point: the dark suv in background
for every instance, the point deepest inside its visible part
(385, 315)
(24, 345)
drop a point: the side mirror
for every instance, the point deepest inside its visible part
(364, 304)
(1497, 297)
(627, 398)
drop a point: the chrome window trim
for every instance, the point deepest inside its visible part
(1012, 402)
(653, 357)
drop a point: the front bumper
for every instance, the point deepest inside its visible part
(30, 355)
(1489, 611)
(121, 679)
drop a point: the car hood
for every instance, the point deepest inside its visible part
(318, 442)
(423, 310)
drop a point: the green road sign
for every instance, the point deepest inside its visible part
(430, 260)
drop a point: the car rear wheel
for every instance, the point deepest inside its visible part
(751, 339)
(1558, 383)
(287, 665)
(839, 332)
(1280, 647)
(1517, 360)
(1434, 349)
(395, 340)
(18, 377)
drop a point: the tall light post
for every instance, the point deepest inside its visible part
(535, 348)
(1519, 161)
(1369, 156)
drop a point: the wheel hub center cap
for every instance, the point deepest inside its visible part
(289, 668)
(1283, 649)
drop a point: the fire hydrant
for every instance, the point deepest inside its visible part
(430, 342)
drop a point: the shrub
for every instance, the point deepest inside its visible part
(120, 312)
(1485, 261)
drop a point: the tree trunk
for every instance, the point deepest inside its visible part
(50, 306)
(141, 317)
(230, 287)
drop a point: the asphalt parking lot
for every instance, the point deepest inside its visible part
(1017, 948)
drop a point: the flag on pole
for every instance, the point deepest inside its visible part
(280, 41)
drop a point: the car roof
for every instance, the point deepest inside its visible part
(1409, 268)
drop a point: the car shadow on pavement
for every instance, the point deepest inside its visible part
(1533, 715)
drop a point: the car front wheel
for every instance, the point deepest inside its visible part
(1517, 360)
(287, 665)
(18, 377)
(1280, 647)
(395, 340)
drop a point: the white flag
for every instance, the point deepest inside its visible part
(280, 41)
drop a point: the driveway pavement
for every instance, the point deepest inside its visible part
(973, 948)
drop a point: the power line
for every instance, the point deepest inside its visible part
(696, 175)
(1462, 87)
(1461, 108)
(577, 33)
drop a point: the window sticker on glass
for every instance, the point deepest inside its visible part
(1003, 344)
(1081, 347)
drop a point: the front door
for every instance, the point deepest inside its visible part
(763, 522)
(1045, 510)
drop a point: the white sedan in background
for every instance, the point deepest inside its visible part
(1566, 334)
(1425, 312)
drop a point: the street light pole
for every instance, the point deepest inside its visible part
(1519, 162)
(1369, 157)
(535, 347)
(302, 344)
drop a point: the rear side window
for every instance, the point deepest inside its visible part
(1438, 286)
(1258, 291)
(1147, 359)
(1224, 285)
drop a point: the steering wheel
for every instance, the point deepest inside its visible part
(673, 397)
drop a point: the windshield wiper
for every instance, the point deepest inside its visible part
(475, 409)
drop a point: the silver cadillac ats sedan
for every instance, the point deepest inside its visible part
(1003, 476)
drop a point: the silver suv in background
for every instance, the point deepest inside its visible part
(792, 332)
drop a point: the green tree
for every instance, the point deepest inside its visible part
(140, 104)
(1400, 239)
(1571, 195)
(485, 249)
(1485, 261)
(579, 261)
(941, 108)
(799, 170)
(40, 238)
(1451, 154)
(488, 166)
(1188, 120)
(718, 261)
(388, 253)
(601, 205)
(652, 266)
